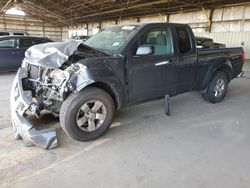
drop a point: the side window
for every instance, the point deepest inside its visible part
(4, 33)
(26, 42)
(18, 34)
(159, 39)
(9, 43)
(183, 40)
(39, 41)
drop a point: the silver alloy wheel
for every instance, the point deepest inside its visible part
(219, 87)
(91, 115)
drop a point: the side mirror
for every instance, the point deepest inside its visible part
(145, 50)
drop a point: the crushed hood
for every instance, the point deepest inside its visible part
(51, 55)
(55, 54)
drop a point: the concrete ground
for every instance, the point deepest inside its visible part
(200, 145)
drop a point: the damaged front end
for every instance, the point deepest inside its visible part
(41, 84)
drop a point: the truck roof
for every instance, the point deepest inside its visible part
(156, 23)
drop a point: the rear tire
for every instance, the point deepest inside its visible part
(87, 114)
(217, 88)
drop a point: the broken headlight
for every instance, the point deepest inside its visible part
(25, 66)
(58, 77)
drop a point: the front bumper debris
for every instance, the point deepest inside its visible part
(21, 101)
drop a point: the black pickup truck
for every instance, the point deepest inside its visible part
(119, 66)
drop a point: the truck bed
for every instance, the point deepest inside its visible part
(232, 54)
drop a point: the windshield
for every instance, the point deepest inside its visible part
(111, 39)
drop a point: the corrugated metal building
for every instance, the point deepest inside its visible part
(229, 25)
(34, 27)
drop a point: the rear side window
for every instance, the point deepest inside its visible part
(26, 43)
(37, 41)
(20, 34)
(183, 40)
(208, 44)
(9, 43)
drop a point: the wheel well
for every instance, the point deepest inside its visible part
(108, 89)
(226, 69)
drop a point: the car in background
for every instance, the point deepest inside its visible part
(13, 33)
(203, 42)
(12, 50)
(81, 38)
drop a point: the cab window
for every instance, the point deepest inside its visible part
(159, 39)
(183, 40)
(8, 43)
(26, 43)
(4, 33)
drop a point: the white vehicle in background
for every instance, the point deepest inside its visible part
(12, 33)
(80, 39)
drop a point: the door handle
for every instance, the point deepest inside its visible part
(168, 62)
(14, 52)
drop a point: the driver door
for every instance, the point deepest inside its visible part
(153, 75)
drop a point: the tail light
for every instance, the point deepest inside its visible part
(243, 57)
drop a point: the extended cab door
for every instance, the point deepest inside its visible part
(151, 76)
(187, 59)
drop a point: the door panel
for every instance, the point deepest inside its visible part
(17, 57)
(187, 60)
(152, 76)
(186, 72)
(10, 55)
(11, 59)
(5, 59)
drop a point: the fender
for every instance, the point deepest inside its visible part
(217, 64)
(101, 77)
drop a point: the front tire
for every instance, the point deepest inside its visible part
(87, 114)
(217, 88)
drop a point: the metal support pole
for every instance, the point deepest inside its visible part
(168, 18)
(87, 29)
(4, 23)
(100, 25)
(210, 20)
(61, 33)
(43, 30)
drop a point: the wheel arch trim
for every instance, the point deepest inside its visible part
(113, 90)
(225, 65)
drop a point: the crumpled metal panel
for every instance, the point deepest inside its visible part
(46, 138)
(51, 55)
(20, 101)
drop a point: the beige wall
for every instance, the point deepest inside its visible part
(33, 26)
